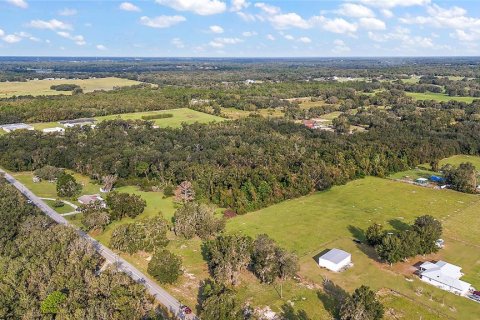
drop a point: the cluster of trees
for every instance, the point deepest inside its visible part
(420, 238)
(196, 219)
(123, 205)
(67, 186)
(147, 235)
(65, 87)
(228, 255)
(361, 305)
(48, 271)
(462, 178)
(48, 173)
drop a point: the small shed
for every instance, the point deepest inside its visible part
(436, 179)
(335, 260)
(421, 181)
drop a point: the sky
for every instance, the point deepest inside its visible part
(240, 28)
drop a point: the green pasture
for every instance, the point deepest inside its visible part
(42, 87)
(440, 97)
(180, 116)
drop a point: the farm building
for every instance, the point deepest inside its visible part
(88, 199)
(445, 276)
(53, 130)
(78, 122)
(16, 126)
(335, 260)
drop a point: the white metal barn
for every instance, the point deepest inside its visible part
(335, 260)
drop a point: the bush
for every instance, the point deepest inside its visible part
(157, 116)
(52, 302)
(165, 267)
(147, 235)
(95, 220)
(65, 87)
(58, 204)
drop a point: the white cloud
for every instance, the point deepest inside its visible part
(305, 39)
(27, 36)
(403, 36)
(201, 7)
(161, 21)
(372, 24)
(52, 24)
(337, 25)
(237, 5)
(387, 13)
(246, 16)
(339, 47)
(216, 29)
(19, 3)
(249, 33)
(2, 33)
(288, 20)
(289, 37)
(454, 18)
(464, 36)
(177, 42)
(395, 3)
(221, 42)
(128, 6)
(101, 47)
(268, 9)
(67, 12)
(355, 11)
(78, 39)
(11, 38)
(270, 37)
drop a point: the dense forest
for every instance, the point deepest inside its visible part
(47, 271)
(245, 164)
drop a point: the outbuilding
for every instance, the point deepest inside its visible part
(16, 126)
(335, 260)
(53, 130)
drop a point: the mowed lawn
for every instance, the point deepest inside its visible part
(180, 116)
(461, 158)
(324, 220)
(42, 87)
(437, 97)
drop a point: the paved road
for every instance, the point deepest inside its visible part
(172, 304)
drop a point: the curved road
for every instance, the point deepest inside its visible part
(172, 304)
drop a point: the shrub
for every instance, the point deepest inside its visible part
(165, 267)
(157, 116)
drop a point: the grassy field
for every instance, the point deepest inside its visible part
(311, 224)
(458, 159)
(182, 115)
(42, 87)
(438, 97)
(62, 210)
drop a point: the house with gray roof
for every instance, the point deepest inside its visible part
(445, 276)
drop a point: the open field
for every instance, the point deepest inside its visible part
(233, 113)
(62, 210)
(182, 115)
(42, 87)
(438, 97)
(458, 159)
(311, 224)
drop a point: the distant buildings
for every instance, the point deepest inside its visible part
(78, 122)
(53, 130)
(445, 276)
(335, 260)
(317, 125)
(16, 126)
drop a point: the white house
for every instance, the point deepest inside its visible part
(335, 260)
(445, 276)
(53, 130)
(89, 199)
